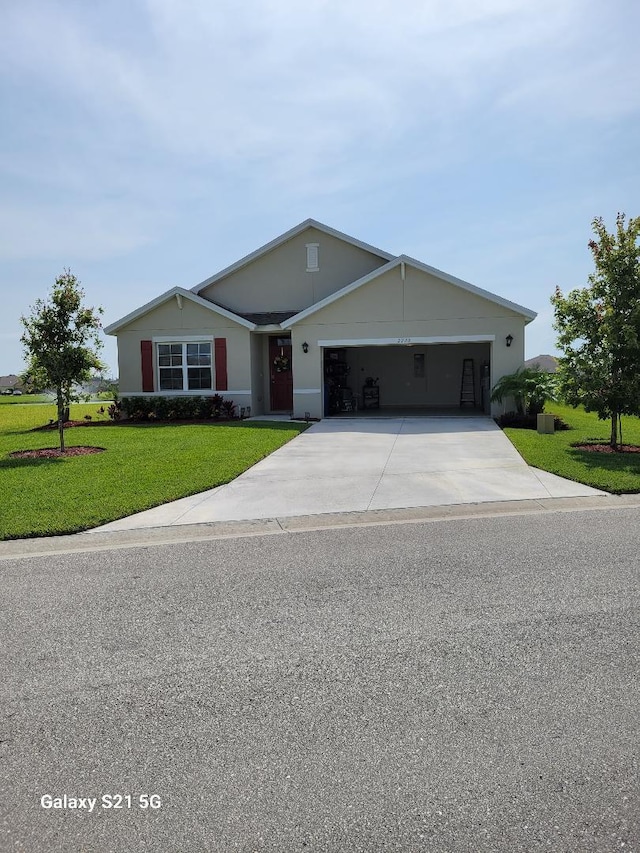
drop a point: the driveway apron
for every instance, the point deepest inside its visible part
(347, 465)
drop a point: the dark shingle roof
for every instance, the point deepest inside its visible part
(267, 318)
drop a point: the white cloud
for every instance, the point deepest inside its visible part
(282, 81)
(167, 100)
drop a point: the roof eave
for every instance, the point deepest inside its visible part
(114, 328)
(405, 259)
(283, 238)
(472, 288)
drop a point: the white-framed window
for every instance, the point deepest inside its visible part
(185, 366)
(313, 257)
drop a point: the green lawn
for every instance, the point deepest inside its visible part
(613, 472)
(24, 398)
(143, 466)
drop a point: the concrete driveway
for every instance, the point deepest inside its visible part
(349, 465)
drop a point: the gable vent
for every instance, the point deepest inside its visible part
(312, 257)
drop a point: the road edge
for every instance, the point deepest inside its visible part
(91, 542)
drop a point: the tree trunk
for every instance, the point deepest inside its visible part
(615, 420)
(61, 414)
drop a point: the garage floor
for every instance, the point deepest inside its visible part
(356, 464)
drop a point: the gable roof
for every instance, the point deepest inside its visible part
(405, 259)
(10, 380)
(548, 363)
(165, 297)
(283, 238)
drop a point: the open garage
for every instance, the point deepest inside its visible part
(412, 378)
(405, 339)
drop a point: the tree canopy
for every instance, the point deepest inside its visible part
(61, 341)
(599, 328)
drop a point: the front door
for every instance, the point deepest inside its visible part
(281, 374)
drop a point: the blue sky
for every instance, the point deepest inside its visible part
(150, 143)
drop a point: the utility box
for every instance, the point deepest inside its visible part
(545, 424)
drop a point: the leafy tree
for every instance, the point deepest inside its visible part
(599, 329)
(529, 387)
(61, 343)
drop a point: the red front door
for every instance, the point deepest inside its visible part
(281, 374)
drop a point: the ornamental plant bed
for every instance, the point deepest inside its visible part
(54, 452)
(516, 421)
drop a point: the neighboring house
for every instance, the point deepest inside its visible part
(548, 363)
(313, 321)
(10, 382)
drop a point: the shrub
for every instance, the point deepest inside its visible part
(515, 420)
(177, 408)
(115, 410)
(228, 407)
(529, 387)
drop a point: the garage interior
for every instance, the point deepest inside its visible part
(418, 379)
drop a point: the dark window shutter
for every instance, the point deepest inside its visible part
(220, 355)
(146, 354)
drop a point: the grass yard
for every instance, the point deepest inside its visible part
(613, 472)
(143, 466)
(21, 399)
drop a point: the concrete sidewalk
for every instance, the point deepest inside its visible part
(352, 465)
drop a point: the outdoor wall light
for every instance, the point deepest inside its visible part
(509, 340)
(305, 347)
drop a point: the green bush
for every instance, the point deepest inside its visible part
(178, 408)
(529, 388)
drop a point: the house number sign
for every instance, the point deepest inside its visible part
(404, 340)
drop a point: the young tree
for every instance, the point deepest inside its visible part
(599, 328)
(61, 342)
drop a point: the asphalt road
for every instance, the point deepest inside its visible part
(464, 685)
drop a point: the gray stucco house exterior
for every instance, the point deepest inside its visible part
(312, 321)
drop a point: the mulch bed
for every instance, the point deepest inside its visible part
(54, 452)
(606, 448)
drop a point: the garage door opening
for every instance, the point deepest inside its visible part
(419, 379)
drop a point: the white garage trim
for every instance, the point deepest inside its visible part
(408, 341)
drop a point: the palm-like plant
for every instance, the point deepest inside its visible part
(529, 387)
